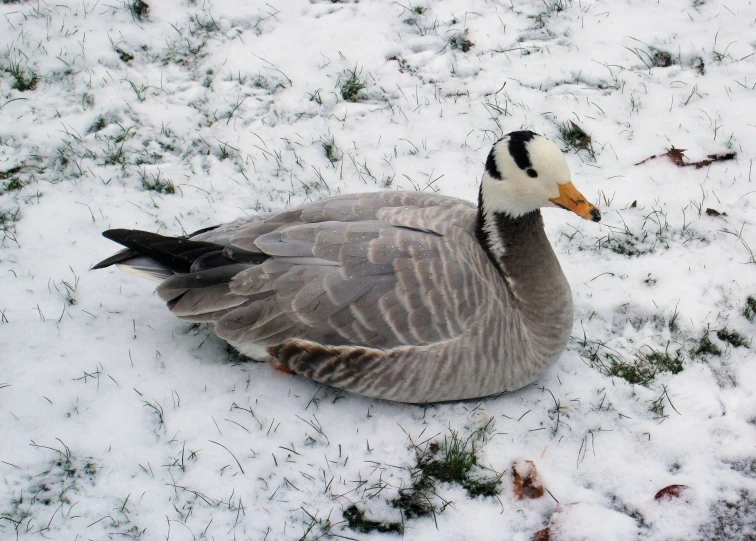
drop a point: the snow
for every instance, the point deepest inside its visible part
(583, 522)
(117, 420)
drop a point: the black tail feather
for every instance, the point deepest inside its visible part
(176, 253)
(121, 256)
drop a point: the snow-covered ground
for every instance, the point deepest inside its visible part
(119, 421)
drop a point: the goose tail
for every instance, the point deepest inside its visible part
(130, 262)
(155, 257)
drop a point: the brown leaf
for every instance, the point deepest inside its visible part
(674, 154)
(713, 158)
(12, 171)
(525, 479)
(542, 535)
(634, 204)
(673, 492)
(677, 156)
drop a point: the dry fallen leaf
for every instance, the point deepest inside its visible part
(527, 485)
(677, 155)
(673, 492)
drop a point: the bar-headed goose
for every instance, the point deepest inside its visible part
(411, 297)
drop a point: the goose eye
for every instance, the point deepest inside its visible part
(532, 173)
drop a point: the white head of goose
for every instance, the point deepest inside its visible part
(403, 296)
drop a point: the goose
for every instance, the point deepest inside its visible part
(403, 296)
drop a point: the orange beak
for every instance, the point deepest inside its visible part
(571, 199)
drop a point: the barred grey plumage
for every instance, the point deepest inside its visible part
(395, 295)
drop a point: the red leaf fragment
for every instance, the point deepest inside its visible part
(542, 535)
(673, 492)
(527, 484)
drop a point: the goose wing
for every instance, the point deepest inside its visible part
(379, 270)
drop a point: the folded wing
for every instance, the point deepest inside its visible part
(380, 270)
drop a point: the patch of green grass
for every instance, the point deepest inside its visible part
(139, 10)
(734, 338)
(125, 56)
(355, 519)
(749, 310)
(659, 405)
(575, 138)
(8, 222)
(653, 57)
(99, 124)
(13, 184)
(114, 154)
(662, 360)
(699, 65)
(648, 364)
(628, 245)
(24, 79)
(635, 238)
(64, 475)
(661, 59)
(452, 461)
(332, 152)
(460, 42)
(557, 6)
(157, 184)
(635, 373)
(351, 88)
(414, 503)
(705, 347)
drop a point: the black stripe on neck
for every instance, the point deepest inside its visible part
(506, 226)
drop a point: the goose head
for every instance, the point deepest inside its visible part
(525, 172)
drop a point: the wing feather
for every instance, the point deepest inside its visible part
(382, 270)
